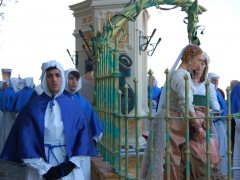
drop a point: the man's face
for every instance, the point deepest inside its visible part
(54, 79)
(72, 82)
(215, 81)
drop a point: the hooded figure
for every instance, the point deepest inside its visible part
(190, 57)
(73, 84)
(1, 97)
(1, 113)
(50, 134)
(73, 79)
(8, 99)
(24, 95)
(199, 77)
(213, 78)
(235, 108)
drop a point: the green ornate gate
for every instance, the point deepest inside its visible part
(113, 105)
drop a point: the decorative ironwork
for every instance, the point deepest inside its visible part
(113, 93)
(74, 58)
(143, 46)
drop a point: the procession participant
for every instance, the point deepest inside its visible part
(50, 134)
(191, 56)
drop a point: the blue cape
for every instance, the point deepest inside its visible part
(235, 99)
(22, 98)
(156, 91)
(221, 102)
(8, 98)
(26, 139)
(95, 124)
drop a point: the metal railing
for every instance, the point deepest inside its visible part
(115, 147)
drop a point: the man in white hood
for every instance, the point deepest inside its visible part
(50, 134)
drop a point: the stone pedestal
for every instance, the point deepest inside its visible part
(95, 13)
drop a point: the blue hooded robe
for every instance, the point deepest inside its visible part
(235, 99)
(95, 124)
(22, 98)
(222, 104)
(8, 98)
(156, 92)
(26, 139)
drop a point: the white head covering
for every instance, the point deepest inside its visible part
(155, 83)
(79, 86)
(38, 89)
(162, 100)
(29, 82)
(44, 86)
(21, 84)
(213, 75)
(13, 82)
(207, 59)
(44, 67)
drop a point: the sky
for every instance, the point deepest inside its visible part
(33, 32)
(220, 39)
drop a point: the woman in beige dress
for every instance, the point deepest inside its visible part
(190, 57)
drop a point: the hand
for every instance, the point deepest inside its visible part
(54, 172)
(200, 108)
(216, 113)
(200, 134)
(195, 123)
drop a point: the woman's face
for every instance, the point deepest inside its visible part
(201, 67)
(196, 61)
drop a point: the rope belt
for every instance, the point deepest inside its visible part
(50, 150)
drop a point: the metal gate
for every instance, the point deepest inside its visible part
(112, 104)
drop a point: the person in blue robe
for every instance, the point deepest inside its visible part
(156, 92)
(50, 134)
(235, 108)
(220, 124)
(235, 99)
(1, 91)
(8, 100)
(73, 85)
(8, 97)
(214, 78)
(24, 95)
(1, 113)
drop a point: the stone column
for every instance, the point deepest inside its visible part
(95, 13)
